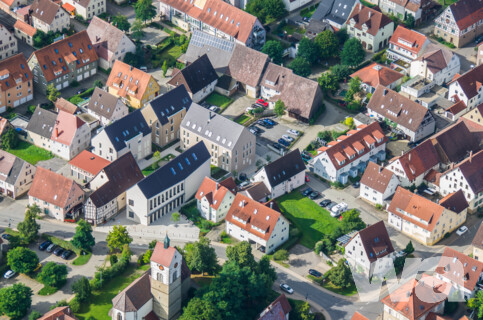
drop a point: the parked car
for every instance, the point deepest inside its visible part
(283, 142)
(242, 176)
(356, 184)
(293, 131)
(81, 90)
(51, 247)
(262, 102)
(288, 138)
(44, 245)
(9, 274)
(462, 230)
(6, 236)
(261, 249)
(479, 39)
(214, 108)
(266, 125)
(270, 121)
(66, 255)
(325, 203)
(314, 195)
(278, 146)
(285, 287)
(143, 68)
(307, 179)
(306, 192)
(58, 252)
(315, 273)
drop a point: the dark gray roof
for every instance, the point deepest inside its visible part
(175, 171)
(337, 11)
(224, 82)
(170, 103)
(123, 173)
(284, 168)
(196, 75)
(103, 103)
(136, 295)
(42, 122)
(15, 171)
(126, 128)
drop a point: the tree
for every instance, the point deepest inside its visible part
(144, 10)
(300, 66)
(83, 238)
(157, 158)
(328, 82)
(52, 93)
(118, 237)
(349, 121)
(200, 309)
(137, 29)
(340, 275)
(9, 139)
(308, 49)
(340, 71)
(354, 87)
(281, 255)
(266, 10)
(342, 36)
(351, 221)
(241, 254)
(175, 217)
(279, 108)
(82, 289)
(328, 44)
(121, 22)
(34, 315)
(304, 312)
(29, 228)
(22, 260)
(409, 248)
(274, 50)
(53, 274)
(352, 54)
(476, 303)
(201, 257)
(409, 22)
(98, 84)
(164, 67)
(15, 300)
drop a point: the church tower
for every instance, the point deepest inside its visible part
(166, 280)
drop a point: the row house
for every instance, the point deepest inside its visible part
(259, 223)
(467, 88)
(215, 17)
(62, 104)
(168, 188)
(377, 184)
(16, 86)
(133, 86)
(475, 116)
(87, 9)
(64, 61)
(16, 175)
(405, 46)
(421, 219)
(86, 165)
(460, 23)
(10, 6)
(47, 16)
(214, 199)
(350, 154)
(404, 115)
(106, 107)
(8, 43)
(402, 9)
(109, 189)
(231, 145)
(25, 32)
(334, 12)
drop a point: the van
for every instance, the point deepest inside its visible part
(338, 209)
(143, 68)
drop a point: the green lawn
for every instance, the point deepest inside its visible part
(292, 29)
(82, 259)
(47, 291)
(146, 172)
(345, 292)
(217, 172)
(242, 119)
(172, 53)
(219, 100)
(191, 212)
(30, 153)
(312, 220)
(102, 300)
(308, 12)
(446, 3)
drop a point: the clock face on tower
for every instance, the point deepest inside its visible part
(176, 265)
(161, 267)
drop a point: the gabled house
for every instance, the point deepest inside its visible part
(199, 78)
(213, 199)
(468, 88)
(460, 23)
(110, 185)
(9, 43)
(59, 313)
(257, 191)
(165, 113)
(47, 15)
(10, 5)
(135, 87)
(406, 116)
(215, 17)
(56, 195)
(335, 12)
(64, 105)
(249, 220)
(350, 154)
(279, 309)
(87, 9)
(16, 86)
(454, 112)
(477, 244)
(86, 165)
(436, 64)
(25, 32)
(128, 134)
(376, 74)
(403, 8)
(232, 145)
(377, 184)
(283, 175)
(70, 135)
(461, 272)
(421, 219)
(16, 175)
(110, 43)
(468, 177)
(169, 187)
(365, 249)
(64, 61)
(40, 128)
(475, 115)
(372, 28)
(106, 107)
(406, 45)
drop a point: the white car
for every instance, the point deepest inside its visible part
(9, 274)
(285, 287)
(293, 131)
(338, 209)
(288, 138)
(214, 108)
(462, 230)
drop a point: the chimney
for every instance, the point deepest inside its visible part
(384, 92)
(130, 68)
(471, 155)
(360, 6)
(217, 185)
(380, 169)
(452, 166)
(271, 204)
(369, 14)
(56, 132)
(409, 157)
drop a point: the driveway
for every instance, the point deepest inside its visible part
(301, 259)
(239, 106)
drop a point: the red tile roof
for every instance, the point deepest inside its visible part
(89, 162)
(25, 28)
(459, 268)
(408, 39)
(358, 316)
(373, 19)
(255, 214)
(215, 192)
(467, 12)
(129, 81)
(376, 177)
(163, 256)
(66, 105)
(457, 107)
(59, 313)
(66, 127)
(16, 68)
(376, 74)
(68, 7)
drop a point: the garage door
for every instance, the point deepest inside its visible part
(79, 77)
(86, 74)
(66, 84)
(58, 87)
(30, 97)
(23, 100)
(93, 71)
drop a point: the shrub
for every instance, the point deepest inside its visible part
(281, 255)
(61, 303)
(108, 273)
(224, 234)
(34, 315)
(379, 206)
(74, 304)
(113, 259)
(74, 84)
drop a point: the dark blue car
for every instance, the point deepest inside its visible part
(44, 245)
(283, 142)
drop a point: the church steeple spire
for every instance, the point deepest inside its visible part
(166, 241)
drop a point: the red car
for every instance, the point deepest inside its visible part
(262, 102)
(307, 178)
